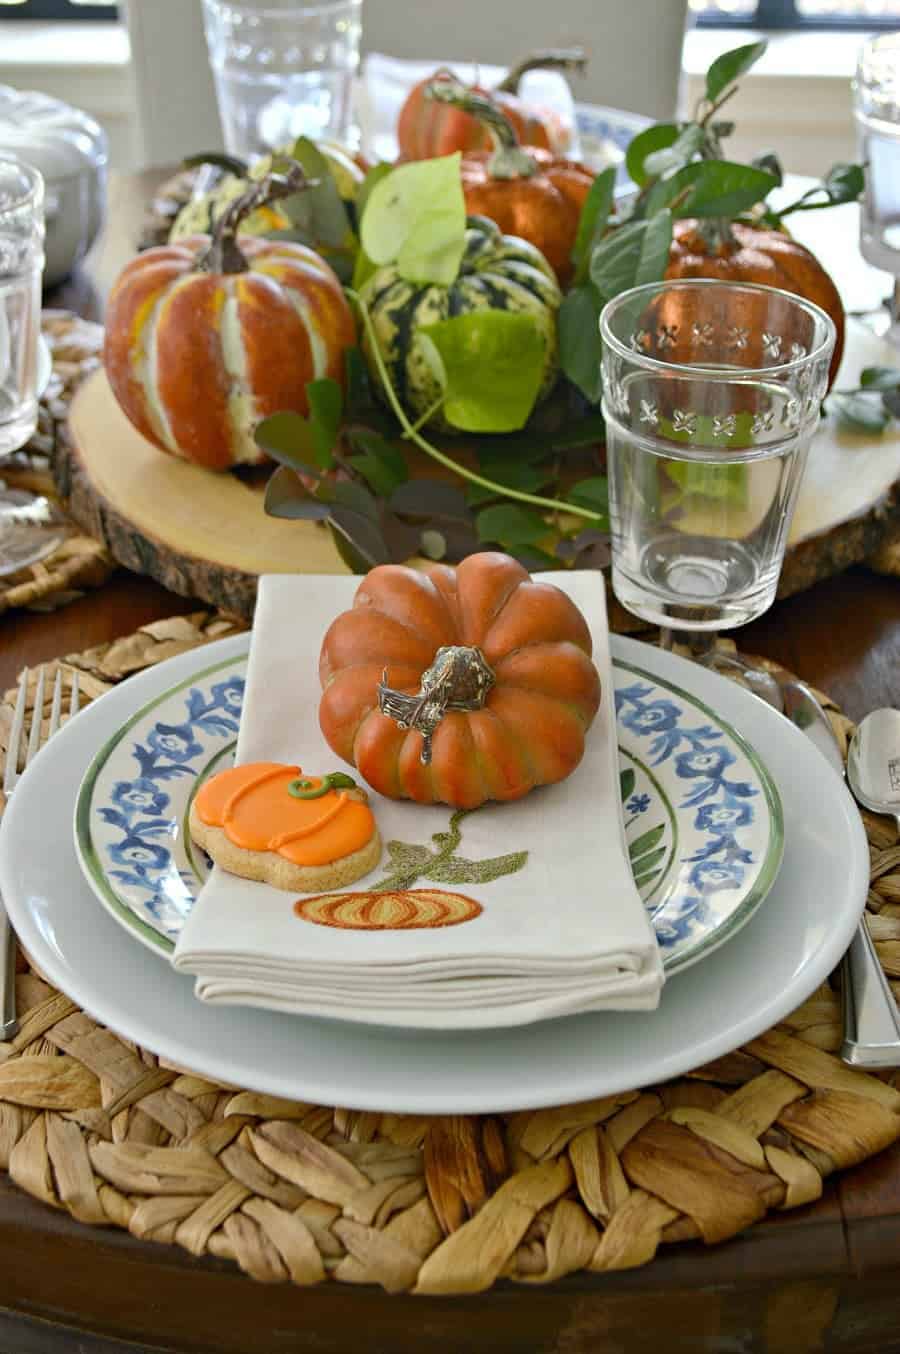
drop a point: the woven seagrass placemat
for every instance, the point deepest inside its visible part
(79, 562)
(94, 1125)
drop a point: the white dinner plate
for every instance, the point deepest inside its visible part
(44, 365)
(702, 818)
(777, 960)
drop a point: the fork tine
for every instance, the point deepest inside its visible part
(10, 774)
(37, 715)
(55, 705)
(74, 701)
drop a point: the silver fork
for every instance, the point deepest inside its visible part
(8, 1022)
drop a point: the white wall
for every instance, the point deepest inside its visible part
(798, 101)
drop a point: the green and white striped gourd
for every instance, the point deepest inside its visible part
(198, 216)
(498, 272)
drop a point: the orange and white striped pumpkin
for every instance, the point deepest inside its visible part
(196, 358)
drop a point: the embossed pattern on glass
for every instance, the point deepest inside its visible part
(712, 393)
(283, 69)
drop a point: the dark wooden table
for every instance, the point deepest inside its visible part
(820, 1278)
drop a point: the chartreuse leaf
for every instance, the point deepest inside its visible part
(326, 405)
(492, 363)
(730, 66)
(593, 219)
(580, 348)
(725, 483)
(652, 139)
(416, 217)
(363, 266)
(373, 177)
(711, 188)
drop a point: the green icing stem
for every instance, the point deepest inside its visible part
(301, 788)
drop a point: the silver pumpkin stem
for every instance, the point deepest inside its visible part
(459, 678)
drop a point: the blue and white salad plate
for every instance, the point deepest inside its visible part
(788, 947)
(701, 816)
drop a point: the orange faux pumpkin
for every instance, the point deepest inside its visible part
(527, 191)
(426, 129)
(204, 338)
(736, 252)
(488, 672)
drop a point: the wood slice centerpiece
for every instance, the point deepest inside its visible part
(206, 535)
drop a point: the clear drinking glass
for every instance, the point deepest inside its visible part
(21, 264)
(876, 105)
(30, 526)
(712, 392)
(283, 70)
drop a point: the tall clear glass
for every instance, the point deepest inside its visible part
(876, 104)
(711, 394)
(21, 265)
(283, 70)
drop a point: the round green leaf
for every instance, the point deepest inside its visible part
(416, 217)
(493, 364)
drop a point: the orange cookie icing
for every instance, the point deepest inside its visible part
(253, 806)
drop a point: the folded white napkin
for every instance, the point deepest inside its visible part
(566, 932)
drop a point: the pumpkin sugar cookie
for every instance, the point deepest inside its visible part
(271, 823)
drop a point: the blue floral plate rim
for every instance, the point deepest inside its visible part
(717, 934)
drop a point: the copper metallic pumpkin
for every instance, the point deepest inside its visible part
(204, 341)
(527, 191)
(529, 727)
(745, 253)
(543, 207)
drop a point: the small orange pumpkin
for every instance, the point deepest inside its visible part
(456, 686)
(206, 337)
(426, 129)
(527, 191)
(736, 252)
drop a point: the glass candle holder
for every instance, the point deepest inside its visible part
(283, 69)
(711, 394)
(21, 265)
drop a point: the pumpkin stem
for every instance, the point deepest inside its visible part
(509, 160)
(459, 678)
(554, 59)
(717, 234)
(224, 254)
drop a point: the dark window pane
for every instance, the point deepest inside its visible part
(58, 9)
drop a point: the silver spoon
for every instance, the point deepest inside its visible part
(871, 1022)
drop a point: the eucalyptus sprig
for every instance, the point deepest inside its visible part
(680, 170)
(344, 466)
(870, 406)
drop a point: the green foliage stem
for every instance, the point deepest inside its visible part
(410, 431)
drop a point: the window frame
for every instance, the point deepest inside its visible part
(775, 15)
(59, 11)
